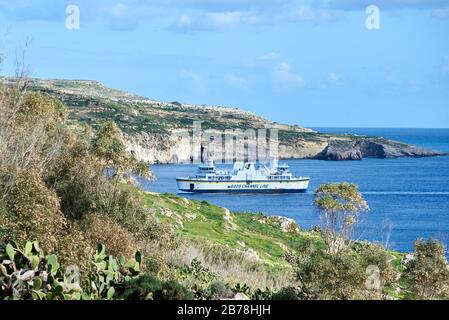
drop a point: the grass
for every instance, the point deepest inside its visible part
(245, 232)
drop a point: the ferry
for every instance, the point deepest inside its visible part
(246, 177)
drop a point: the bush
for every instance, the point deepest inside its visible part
(32, 212)
(287, 293)
(75, 176)
(198, 277)
(75, 249)
(376, 255)
(140, 288)
(330, 276)
(428, 272)
(148, 287)
(109, 146)
(102, 229)
(172, 290)
(38, 107)
(219, 290)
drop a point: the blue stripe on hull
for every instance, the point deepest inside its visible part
(247, 191)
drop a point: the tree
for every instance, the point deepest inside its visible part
(109, 146)
(322, 275)
(339, 206)
(346, 275)
(428, 271)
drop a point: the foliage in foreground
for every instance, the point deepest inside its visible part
(53, 186)
(427, 271)
(27, 273)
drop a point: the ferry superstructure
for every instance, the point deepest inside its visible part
(244, 177)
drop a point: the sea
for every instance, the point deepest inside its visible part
(408, 197)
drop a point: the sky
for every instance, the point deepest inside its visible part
(312, 63)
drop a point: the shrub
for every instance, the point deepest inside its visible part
(38, 107)
(148, 287)
(376, 255)
(140, 288)
(32, 212)
(218, 290)
(109, 146)
(172, 290)
(198, 277)
(287, 293)
(75, 176)
(329, 276)
(428, 272)
(100, 229)
(75, 249)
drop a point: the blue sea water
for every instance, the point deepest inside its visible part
(409, 196)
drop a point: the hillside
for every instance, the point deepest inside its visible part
(261, 238)
(58, 209)
(233, 242)
(149, 125)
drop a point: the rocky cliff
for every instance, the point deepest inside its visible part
(357, 149)
(157, 132)
(178, 150)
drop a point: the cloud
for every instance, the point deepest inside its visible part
(332, 77)
(185, 20)
(441, 13)
(385, 4)
(193, 79)
(224, 20)
(283, 74)
(120, 18)
(127, 15)
(313, 14)
(236, 81)
(269, 56)
(225, 5)
(212, 21)
(192, 16)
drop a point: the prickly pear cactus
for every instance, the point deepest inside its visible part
(111, 273)
(26, 273)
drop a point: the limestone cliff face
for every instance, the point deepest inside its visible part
(159, 149)
(157, 132)
(350, 149)
(178, 150)
(302, 149)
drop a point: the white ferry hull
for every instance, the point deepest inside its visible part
(261, 186)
